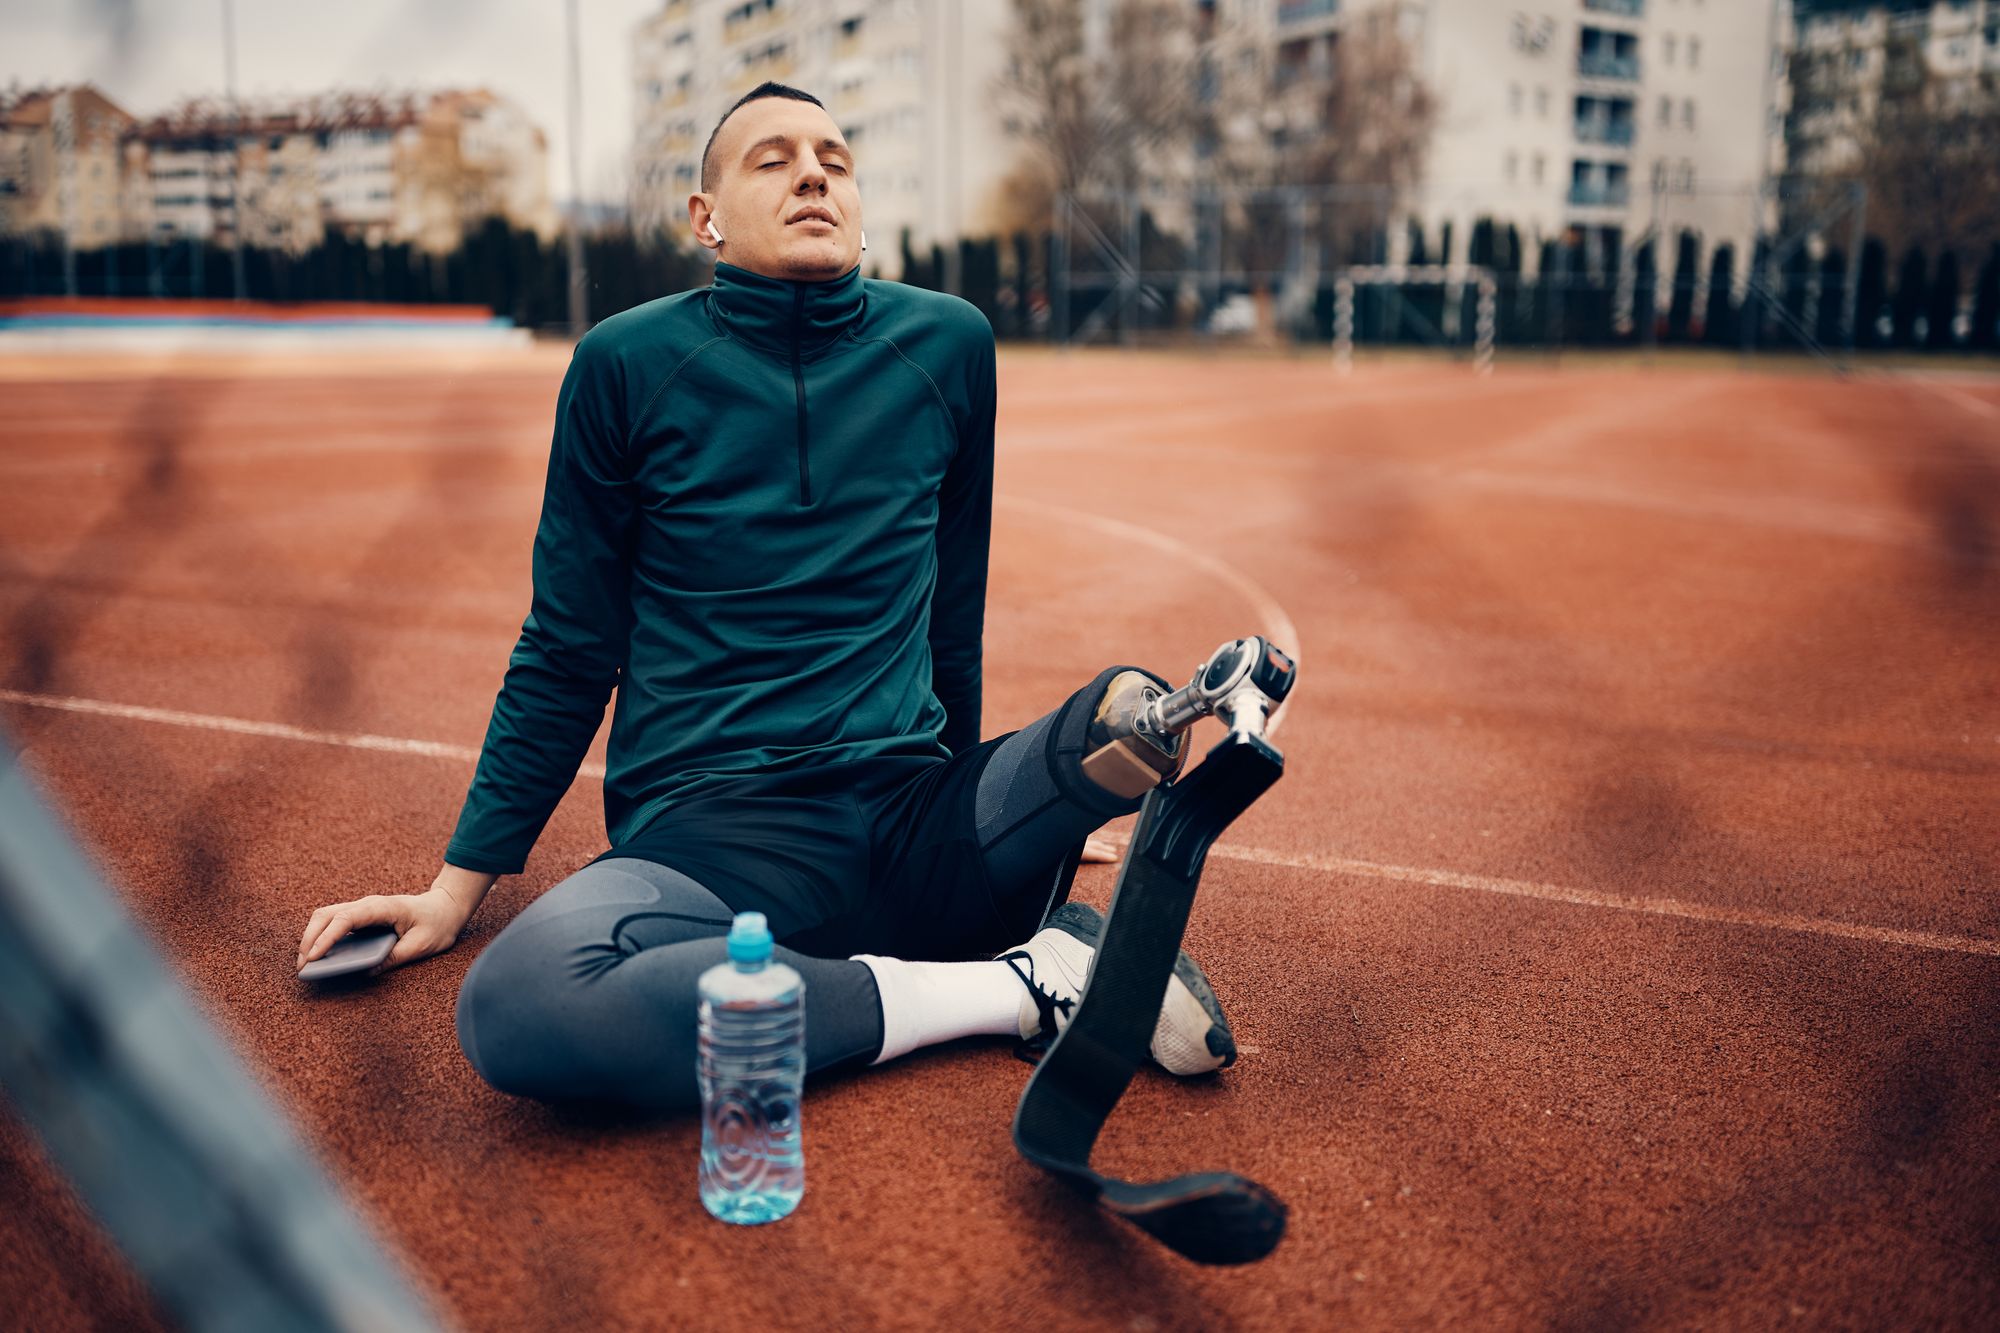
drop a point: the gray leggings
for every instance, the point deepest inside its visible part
(589, 993)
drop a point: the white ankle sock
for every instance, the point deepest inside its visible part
(925, 1003)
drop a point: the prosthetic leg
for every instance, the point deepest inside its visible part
(1213, 1217)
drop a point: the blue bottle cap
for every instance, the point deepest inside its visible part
(749, 938)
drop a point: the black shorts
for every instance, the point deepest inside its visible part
(870, 856)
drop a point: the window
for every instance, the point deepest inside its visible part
(1659, 176)
(1513, 168)
(1694, 52)
(1687, 114)
(1666, 111)
(1542, 103)
(1514, 99)
(1540, 168)
(1667, 48)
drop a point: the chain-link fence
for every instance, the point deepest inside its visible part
(1786, 266)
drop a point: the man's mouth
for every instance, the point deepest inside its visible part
(813, 215)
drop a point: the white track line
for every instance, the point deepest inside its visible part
(1278, 626)
(1340, 865)
(353, 740)
(1618, 902)
(1978, 406)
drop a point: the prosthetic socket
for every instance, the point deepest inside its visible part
(1137, 738)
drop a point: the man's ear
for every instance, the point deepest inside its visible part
(701, 216)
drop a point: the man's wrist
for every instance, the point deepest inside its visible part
(463, 888)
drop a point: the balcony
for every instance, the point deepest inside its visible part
(1600, 194)
(1298, 11)
(1617, 133)
(1631, 9)
(1604, 65)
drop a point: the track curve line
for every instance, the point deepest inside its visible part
(1277, 625)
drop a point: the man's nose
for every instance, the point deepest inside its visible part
(812, 176)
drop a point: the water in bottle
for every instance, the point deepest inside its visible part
(751, 1066)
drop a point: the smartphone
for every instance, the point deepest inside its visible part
(356, 951)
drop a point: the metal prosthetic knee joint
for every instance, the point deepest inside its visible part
(1138, 735)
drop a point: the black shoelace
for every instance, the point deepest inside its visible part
(1047, 1005)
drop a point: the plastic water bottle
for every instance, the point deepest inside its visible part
(752, 1069)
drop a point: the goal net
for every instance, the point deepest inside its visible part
(1393, 279)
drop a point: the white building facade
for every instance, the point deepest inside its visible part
(1602, 120)
(909, 82)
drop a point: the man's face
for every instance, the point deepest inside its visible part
(785, 197)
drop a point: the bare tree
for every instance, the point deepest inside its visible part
(1927, 162)
(1921, 142)
(1341, 110)
(1172, 90)
(1090, 119)
(453, 192)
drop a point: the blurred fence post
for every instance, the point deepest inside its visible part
(1059, 272)
(171, 1144)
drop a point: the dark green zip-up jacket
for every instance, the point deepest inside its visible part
(766, 524)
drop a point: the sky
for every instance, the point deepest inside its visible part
(147, 55)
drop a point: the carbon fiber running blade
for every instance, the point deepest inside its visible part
(1213, 1218)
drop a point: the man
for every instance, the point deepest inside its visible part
(766, 524)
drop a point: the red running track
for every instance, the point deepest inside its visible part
(1622, 945)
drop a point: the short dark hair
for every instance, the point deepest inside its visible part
(764, 89)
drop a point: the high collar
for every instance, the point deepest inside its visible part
(781, 314)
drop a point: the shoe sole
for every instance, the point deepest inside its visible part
(1086, 923)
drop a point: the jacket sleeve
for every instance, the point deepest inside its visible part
(964, 535)
(573, 643)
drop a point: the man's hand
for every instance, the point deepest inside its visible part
(1096, 849)
(426, 923)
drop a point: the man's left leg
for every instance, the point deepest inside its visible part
(972, 852)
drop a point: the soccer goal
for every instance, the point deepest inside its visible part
(1453, 278)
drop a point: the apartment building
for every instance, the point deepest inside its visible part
(909, 82)
(1604, 120)
(1848, 54)
(61, 164)
(408, 167)
(1608, 120)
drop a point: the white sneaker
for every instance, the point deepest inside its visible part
(1192, 1036)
